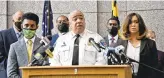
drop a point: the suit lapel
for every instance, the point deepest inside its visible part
(13, 35)
(106, 40)
(36, 44)
(125, 44)
(143, 42)
(23, 51)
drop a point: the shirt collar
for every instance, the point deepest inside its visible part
(60, 34)
(30, 39)
(115, 37)
(74, 35)
(16, 31)
(133, 46)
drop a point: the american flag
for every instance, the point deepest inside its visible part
(47, 22)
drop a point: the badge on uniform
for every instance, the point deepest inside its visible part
(63, 44)
(89, 44)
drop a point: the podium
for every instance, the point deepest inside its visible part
(106, 71)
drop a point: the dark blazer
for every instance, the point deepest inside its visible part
(161, 63)
(18, 56)
(148, 56)
(7, 37)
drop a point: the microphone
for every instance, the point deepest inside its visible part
(91, 40)
(112, 59)
(39, 58)
(119, 50)
(48, 52)
(45, 41)
(102, 44)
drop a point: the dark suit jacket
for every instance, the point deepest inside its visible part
(161, 63)
(7, 37)
(148, 56)
(18, 56)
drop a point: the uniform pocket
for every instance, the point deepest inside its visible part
(90, 55)
(64, 53)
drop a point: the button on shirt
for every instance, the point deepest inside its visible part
(88, 55)
(134, 53)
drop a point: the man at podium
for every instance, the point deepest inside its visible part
(22, 52)
(74, 47)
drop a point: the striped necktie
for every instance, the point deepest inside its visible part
(112, 42)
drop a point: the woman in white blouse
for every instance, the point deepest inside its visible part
(138, 47)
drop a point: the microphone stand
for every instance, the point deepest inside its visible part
(34, 62)
(142, 64)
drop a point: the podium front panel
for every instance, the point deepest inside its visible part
(110, 71)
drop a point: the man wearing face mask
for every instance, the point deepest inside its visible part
(21, 52)
(62, 25)
(7, 37)
(112, 39)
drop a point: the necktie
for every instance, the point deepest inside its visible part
(112, 42)
(29, 49)
(75, 60)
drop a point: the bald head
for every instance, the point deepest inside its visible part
(151, 34)
(62, 19)
(77, 21)
(75, 13)
(17, 16)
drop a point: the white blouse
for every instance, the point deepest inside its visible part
(134, 53)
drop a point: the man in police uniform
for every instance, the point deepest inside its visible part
(74, 48)
(62, 24)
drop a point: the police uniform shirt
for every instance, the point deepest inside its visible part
(88, 55)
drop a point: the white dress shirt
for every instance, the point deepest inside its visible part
(110, 37)
(88, 55)
(134, 53)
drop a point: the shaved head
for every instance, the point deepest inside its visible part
(75, 13)
(17, 16)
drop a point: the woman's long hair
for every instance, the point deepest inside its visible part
(142, 27)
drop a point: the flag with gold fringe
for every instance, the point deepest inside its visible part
(115, 13)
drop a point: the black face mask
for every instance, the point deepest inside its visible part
(63, 28)
(18, 26)
(113, 31)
